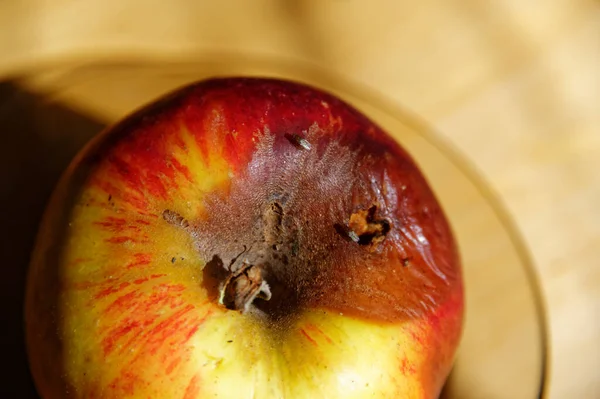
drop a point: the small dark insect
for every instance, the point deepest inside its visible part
(346, 232)
(353, 236)
(299, 141)
(175, 218)
(173, 259)
(405, 262)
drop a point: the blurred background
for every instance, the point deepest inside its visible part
(513, 86)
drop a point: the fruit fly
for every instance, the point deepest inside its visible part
(299, 141)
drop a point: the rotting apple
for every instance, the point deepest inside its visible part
(243, 238)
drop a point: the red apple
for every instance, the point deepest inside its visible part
(243, 238)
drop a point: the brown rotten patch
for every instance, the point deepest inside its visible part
(285, 234)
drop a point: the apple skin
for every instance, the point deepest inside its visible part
(120, 299)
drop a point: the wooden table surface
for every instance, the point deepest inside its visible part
(513, 84)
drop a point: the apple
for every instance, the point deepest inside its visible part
(243, 238)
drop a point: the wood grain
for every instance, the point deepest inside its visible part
(514, 85)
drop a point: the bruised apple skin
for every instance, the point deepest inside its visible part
(243, 238)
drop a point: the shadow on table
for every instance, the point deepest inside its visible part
(38, 139)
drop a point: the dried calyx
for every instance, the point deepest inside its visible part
(243, 286)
